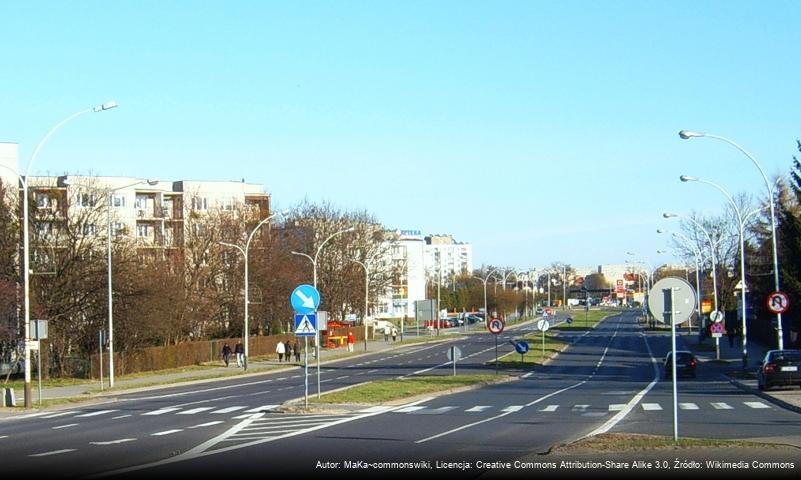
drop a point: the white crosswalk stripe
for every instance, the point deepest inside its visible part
(616, 407)
(413, 408)
(230, 409)
(94, 414)
(756, 405)
(162, 411)
(721, 406)
(651, 406)
(479, 408)
(513, 408)
(195, 410)
(688, 406)
(61, 414)
(550, 408)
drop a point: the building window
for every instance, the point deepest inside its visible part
(142, 230)
(43, 200)
(200, 203)
(118, 201)
(85, 199)
(118, 228)
(89, 229)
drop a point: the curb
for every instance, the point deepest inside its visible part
(765, 396)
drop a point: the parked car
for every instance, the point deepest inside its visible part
(686, 364)
(780, 367)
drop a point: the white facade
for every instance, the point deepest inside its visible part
(406, 257)
(446, 258)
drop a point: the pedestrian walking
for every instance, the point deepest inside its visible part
(226, 353)
(280, 349)
(394, 333)
(239, 350)
(296, 349)
(387, 333)
(351, 341)
(288, 352)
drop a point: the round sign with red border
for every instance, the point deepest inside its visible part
(778, 302)
(495, 326)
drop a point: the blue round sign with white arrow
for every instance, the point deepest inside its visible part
(521, 347)
(305, 299)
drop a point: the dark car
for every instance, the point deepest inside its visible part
(780, 367)
(685, 366)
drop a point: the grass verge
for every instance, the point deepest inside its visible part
(396, 388)
(536, 354)
(616, 442)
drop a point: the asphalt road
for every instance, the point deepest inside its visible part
(609, 379)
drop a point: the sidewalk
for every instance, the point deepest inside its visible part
(90, 390)
(731, 365)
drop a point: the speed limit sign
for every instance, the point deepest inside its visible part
(778, 302)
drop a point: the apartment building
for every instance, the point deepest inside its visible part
(154, 213)
(447, 258)
(406, 256)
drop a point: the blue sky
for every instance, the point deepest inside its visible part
(537, 131)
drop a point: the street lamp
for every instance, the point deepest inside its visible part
(741, 224)
(110, 295)
(485, 280)
(687, 134)
(244, 251)
(26, 241)
(314, 268)
(366, 296)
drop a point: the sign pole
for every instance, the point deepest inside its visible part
(496, 354)
(100, 341)
(306, 372)
(670, 310)
(453, 354)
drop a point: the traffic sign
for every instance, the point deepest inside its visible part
(521, 347)
(305, 325)
(569, 320)
(543, 325)
(305, 299)
(683, 299)
(778, 302)
(495, 326)
(716, 316)
(716, 328)
(454, 353)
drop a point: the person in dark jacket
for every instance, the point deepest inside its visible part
(226, 353)
(296, 349)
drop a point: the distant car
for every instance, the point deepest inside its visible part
(685, 366)
(780, 367)
(474, 319)
(539, 310)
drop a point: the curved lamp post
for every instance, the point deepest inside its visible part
(314, 268)
(485, 280)
(741, 224)
(244, 251)
(687, 134)
(110, 295)
(26, 240)
(366, 296)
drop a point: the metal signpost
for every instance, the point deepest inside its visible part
(716, 329)
(543, 326)
(454, 354)
(495, 327)
(675, 305)
(305, 300)
(40, 333)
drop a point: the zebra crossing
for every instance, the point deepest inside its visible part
(176, 410)
(583, 409)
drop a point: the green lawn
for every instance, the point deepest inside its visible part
(387, 390)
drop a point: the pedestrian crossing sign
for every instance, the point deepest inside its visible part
(305, 325)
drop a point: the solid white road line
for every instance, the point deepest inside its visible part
(166, 432)
(121, 416)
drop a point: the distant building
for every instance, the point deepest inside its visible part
(447, 258)
(408, 278)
